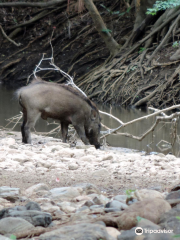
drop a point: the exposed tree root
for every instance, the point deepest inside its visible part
(131, 77)
(8, 38)
(29, 4)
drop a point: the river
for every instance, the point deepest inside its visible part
(9, 107)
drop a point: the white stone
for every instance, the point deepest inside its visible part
(48, 207)
(65, 193)
(36, 188)
(89, 158)
(8, 141)
(73, 166)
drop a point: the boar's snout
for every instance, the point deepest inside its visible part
(97, 146)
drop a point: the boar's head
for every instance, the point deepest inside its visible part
(94, 127)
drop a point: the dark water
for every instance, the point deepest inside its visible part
(9, 107)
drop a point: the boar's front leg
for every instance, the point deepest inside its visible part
(64, 131)
(81, 132)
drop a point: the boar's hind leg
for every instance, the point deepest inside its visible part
(23, 125)
(64, 131)
(32, 117)
(81, 132)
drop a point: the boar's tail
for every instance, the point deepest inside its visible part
(18, 96)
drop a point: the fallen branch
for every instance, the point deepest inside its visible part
(9, 39)
(142, 118)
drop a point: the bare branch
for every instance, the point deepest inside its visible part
(142, 118)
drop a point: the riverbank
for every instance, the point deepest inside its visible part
(111, 170)
(82, 186)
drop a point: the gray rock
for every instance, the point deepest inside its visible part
(169, 221)
(128, 235)
(178, 206)
(111, 210)
(96, 206)
(116, 204)
(120, 198)
(173, 195)
(19, 208)
(33, 206)
(36, 218)
(13, 225)
(176, 188)
(83, 208)
(78, 232)
(148, 224)
(3, 237)
(11, 194)
(65, 193)
(97, 201)
(89, 203)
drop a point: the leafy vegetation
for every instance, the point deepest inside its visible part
(176, 44)
(129, 192)
(116, 12)
(162, 5)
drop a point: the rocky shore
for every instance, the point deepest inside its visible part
(50, 190)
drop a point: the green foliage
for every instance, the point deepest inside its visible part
(141, 49)
(132, 68)
(139, 218)
(13, 237)
(106, 30)
(129, 192)
(115, 12)
(178, 217)
(176, 44)
(163, 5)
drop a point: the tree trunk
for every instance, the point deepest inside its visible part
(141, 8)
(110, 42)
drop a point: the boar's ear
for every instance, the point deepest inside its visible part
(93, 114)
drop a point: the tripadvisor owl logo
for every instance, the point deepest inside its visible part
(139, 231)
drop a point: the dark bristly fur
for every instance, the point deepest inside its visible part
(75, 91)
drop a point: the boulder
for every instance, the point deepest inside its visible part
(13, 225)
(65, 193)
(117, 205)
(170, 221)
(11, 194)
(150, 209)
(36, 188)
(80, 232)
(36, 218)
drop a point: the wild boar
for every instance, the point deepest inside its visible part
(61, 102)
